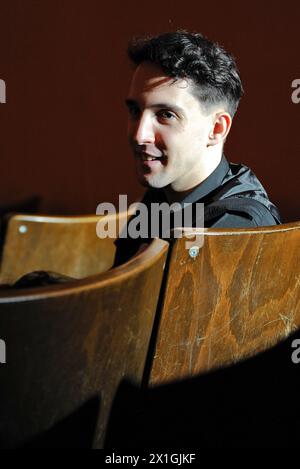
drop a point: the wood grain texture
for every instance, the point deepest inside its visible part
(240, 296)
(71, 343)
(66, 245)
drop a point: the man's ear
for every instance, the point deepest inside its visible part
(220, 128)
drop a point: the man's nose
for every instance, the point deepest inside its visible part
(143, 131)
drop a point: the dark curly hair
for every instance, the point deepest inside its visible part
(182, 54)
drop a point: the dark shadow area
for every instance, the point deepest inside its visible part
(75, 431)
(30, 205)
(254, 403)
(289, 212)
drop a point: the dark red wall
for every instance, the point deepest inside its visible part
(63, 128)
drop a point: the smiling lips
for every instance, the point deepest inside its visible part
(149, 157)
(150, 161)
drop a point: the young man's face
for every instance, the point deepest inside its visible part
(166, 122)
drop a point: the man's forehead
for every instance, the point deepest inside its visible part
(150, 77)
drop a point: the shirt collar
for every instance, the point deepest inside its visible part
(212, 182)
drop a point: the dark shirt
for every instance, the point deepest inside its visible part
(232, 196)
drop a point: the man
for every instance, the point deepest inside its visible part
(183, 96)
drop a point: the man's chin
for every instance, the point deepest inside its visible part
(151, 183)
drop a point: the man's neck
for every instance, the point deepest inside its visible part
(176, 196)
(201, 175)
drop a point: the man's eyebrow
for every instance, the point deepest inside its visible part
(131, 102)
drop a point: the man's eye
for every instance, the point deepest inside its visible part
(166, 115)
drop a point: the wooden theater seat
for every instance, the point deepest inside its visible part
(240, 295)
(70, 346)
(65, 245)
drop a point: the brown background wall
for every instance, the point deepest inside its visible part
(63, 128)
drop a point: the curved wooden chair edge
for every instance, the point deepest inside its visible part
(240, 231)
(139, 263)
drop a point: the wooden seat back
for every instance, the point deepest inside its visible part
(240, 295)
(66, 245)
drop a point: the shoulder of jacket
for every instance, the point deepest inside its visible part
(243, 206)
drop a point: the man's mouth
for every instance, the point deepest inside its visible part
(145, 157)
(150, 158)
(152, 161)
